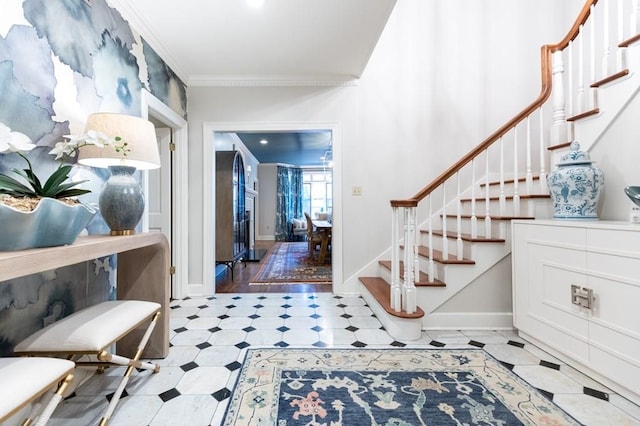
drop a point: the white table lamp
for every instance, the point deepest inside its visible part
(122, 200)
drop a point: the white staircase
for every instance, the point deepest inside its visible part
(465, 233)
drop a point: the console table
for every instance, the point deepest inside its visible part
(143, 274)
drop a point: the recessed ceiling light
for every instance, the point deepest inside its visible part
(263, 141)
(255, 3)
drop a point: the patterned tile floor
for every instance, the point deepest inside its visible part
(210, 335)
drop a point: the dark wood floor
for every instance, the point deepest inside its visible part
(244, 272)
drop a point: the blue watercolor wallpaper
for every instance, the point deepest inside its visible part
(61, 60)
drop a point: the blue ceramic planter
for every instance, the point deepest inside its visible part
(575, 186)
(51, 223)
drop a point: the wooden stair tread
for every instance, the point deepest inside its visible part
(424, 278)
(507, 197)
(609, 79)
(468, 216)
(437, 257)
(559, 146)
(381, 291)
(509, 181)
(585, 114)
(628, 42)
(466, 237)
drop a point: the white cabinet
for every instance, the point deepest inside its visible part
(576, 293)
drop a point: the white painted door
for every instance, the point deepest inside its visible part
(160, 189)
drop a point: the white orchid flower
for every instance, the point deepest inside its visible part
(70, 147)
(63, 148)
(14, 141)
(98, 139)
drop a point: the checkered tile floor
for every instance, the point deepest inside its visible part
(210, 335)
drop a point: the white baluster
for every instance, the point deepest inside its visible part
(621, 54)
(516, 183)
(634, 26)
(582, 98)
(502, 196)
(559, 126)
(606, 39)
(593, 59)
(543, 156)
(571, 89)
(458, 219)
(528, 173)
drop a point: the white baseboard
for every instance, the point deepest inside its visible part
(468, 321)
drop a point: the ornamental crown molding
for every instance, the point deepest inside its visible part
(272, 81)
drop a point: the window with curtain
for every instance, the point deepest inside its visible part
(289, 186)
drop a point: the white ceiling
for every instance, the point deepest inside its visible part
(210, 42)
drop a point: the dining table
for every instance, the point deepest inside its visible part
(323, 227)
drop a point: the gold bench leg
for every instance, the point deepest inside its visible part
(132, 363)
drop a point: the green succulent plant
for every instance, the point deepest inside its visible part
(58, 184)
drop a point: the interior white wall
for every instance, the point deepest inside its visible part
(612, 155)
(443, 76)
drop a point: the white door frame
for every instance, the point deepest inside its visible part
(208, 187)
(180, 200)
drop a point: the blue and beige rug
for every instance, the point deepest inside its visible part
(386, 387)
(289, 263)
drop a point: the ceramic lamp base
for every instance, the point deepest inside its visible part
(122, 201)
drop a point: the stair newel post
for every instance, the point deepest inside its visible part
(432, 271)
(516, 183)
(409, 253)
(445, 241)
(502, 196)
(414, 272)
(396, 293)
(487, 208)
(543, 158)
(559, 125)
(458, 219)
(474, 218)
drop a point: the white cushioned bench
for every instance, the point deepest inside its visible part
(25, 380)
(93, 331)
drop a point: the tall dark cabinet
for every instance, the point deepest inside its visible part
(232, 239)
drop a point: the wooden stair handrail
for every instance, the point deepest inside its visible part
(545, 91)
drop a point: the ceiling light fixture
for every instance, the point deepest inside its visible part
(255, 3)
(263, 141)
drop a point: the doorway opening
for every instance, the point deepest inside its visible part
(215, 137)
(166, 208)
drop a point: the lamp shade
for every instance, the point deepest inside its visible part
(139, 134)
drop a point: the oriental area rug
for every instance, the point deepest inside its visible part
(289, 263)
(386, 387)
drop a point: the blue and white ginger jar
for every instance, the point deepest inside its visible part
(575, 185)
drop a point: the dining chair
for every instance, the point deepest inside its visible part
(313, 237)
